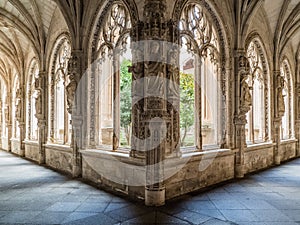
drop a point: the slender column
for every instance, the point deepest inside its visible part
(155, 117)
(297, 118)
(8, 119)
(116, 97)
(41, 114)
(279, 113)
(20, 117)
(74, 98)
(243, 105)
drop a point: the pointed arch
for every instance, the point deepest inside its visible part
(259, 80)
(59, 118)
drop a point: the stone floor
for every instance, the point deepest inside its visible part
(31, 194)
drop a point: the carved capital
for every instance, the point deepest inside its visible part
(155, 24)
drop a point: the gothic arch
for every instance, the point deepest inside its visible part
(289, 87)
(267, 78)
(104, 43)
(30, 115)
(60, 41)
(224, 61)
(99, 19)
(222, 31)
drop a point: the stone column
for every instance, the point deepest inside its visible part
(74, 98)
(279, 110)
(243, 104)
(1, 120)
(155, 118)
(8, 119)
(297, 118)
(41, 114)
(20, 117)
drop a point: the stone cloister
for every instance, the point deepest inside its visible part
(152, 99)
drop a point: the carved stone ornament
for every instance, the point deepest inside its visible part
(280, 96)
(246, 97)
(18, 113)
(7, 115)
(73, 75)
(245, 89)
(38, 98)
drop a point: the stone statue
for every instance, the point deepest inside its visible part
(246, 97)
(38, 103)
(280, 96)
(6, 112)
(173, 72)
(155, 71)
(18, 103)
(70, 91)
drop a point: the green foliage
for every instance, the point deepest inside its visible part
(125, 99)
(187, 105)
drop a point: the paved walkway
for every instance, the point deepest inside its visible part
(31, 194)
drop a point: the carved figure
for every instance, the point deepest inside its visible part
(70, 91)
(280, 96)
(173, 87)
(155, 71)
(246, 97)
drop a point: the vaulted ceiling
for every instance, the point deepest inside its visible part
(24, 25)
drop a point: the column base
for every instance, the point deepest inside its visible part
(155, 197)
(239, 171)
(22, 153)
(76, 172)
(277, 160)
(41, 159)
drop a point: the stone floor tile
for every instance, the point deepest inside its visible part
(64, 207)
(228, 204)
(18, 217)
(270, 215)
(41, 196)
(99, 219)
(92, 207)
(78, 216)
(239, 216)
(194, 218)
(218, 222)
(49, 218)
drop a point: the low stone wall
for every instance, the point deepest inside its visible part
(258, 157)
(5, 145)
(116, 172)
(199, 170)
(32, 150)
(287, 150)
(59, 157)
(16, 146)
